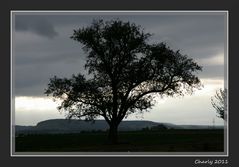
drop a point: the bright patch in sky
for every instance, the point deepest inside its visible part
(31, 110)
(188, 110)
(34, 103)
(194, 109)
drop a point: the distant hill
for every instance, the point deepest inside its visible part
(76, 126)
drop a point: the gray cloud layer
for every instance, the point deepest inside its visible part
(36, 59)
(36, 24)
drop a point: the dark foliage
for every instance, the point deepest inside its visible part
(126, 74)
(219, 102)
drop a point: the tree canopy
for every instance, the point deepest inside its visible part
(125, 74)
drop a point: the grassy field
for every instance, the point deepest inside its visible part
(138, 141)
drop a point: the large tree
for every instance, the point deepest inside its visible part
(219, 102)
(125, 74)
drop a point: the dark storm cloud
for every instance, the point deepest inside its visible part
(37, 59)
(36, 24)
(32, 79)
(44, 58)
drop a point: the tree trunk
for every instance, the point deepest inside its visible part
(113, 134)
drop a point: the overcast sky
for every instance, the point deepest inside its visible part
(42, 48)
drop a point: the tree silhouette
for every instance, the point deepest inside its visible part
(219, 102)
(125, 74)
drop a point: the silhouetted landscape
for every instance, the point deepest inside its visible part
(126, 70)
(55, 126)
(61, 135)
